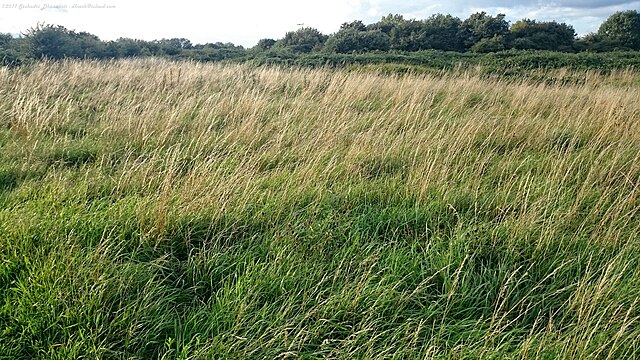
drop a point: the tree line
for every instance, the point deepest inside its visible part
(479, 33)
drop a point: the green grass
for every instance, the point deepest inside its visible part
(248, 212)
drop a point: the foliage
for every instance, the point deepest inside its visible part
(303, 40)
(351, 40)
(10, 54)
(529, 34)
(388, 23)
(265, 44)
(481, 25)
(622, 29)
(173, 46)
(517, 63)
(57, 42)
(441, 32)
(5, 41)
(488, 45)
(125, 47)
(357, 25)
(218, 53)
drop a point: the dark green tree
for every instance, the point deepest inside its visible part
(408, 35)
(110, 50)
(49, 41)
(10, 53)
(5, 41)
(443, 32)
(483, 26)
(127, 47)
(351, 40)
(357, 25)
(622, 29)
(57, 42)
(489, 45)
(544, 35)
(303, 40)
(172, 46)
(265, 44)
(89, 45)
(387, 23)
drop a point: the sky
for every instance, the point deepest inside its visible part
(244, 22)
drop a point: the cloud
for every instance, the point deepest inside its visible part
(246, 21)
(585, 15)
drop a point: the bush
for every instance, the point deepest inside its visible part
(493, 44)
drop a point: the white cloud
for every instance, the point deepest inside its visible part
(246, 21)
(242, 21)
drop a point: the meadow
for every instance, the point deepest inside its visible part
(181, 210)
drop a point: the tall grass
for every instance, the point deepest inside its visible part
(183, 210)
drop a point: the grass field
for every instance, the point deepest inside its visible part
(151, 209)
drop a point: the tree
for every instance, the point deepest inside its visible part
(488, 45)
(265, 44)
(399, 31)
(172, 46)
(5, 41)
(88, 45)
(443, 32)
(357, 25)
(49, 41)
(110, 50)
(177, 43)
(530, 34)
(130, 47)
(408, 35)
(483, 26)
(622, 29)
(9, 51)
(57, 42)
(351, 40)
(387, 23)
(303, 40)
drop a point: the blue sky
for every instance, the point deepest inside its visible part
(244, 22)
